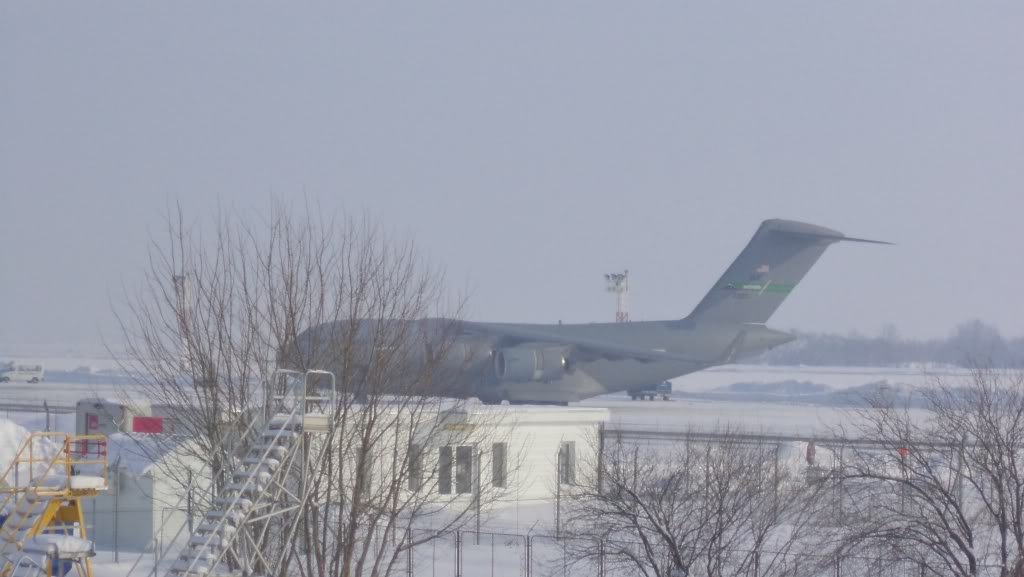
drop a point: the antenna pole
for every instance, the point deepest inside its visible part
(618, 283)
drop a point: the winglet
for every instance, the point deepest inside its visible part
(811, 231)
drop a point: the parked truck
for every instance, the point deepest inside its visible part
(663, 390)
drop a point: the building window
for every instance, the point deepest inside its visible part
(444, 473)
(498, 464)
(415, 467)
(567, 463)
(463, 464)
(464, 470)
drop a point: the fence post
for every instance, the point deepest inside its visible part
(558, 494)
(458, 554)
(529, 555)
(479, 489)
(188, 501)
(600, 558)
(839, 566)
(408, 552)
(565, 558)
(117, 507)
(600, 458)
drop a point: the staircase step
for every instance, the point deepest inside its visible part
(215, 528)
(206, 541)
(25, 508)
(285, 423)
(284, 439)
(270, 450)
(262, 477)
(12, 535)
(246, 488)
(204, 554)
(269, 463)
(28, 570)
(183, 567)
(241, 503)
(231, 516)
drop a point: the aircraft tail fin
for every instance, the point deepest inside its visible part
(769, 268)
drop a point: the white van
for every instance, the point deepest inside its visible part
(26, 373)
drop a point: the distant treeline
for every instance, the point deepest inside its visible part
(971, 343)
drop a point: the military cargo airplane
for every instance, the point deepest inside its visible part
(558, 364)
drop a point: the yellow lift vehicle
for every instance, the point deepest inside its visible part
(42, 523)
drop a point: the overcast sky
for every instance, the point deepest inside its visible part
(528, 146)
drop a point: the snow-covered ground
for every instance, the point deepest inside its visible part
(801, 401)
(782, 400)
(751, 378)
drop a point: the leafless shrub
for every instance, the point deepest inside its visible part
(943, 486)
(698, 507)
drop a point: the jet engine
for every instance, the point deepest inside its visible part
(461, 357)
(524, 364)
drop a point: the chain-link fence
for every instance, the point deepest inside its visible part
(487, 554)
(472, 554)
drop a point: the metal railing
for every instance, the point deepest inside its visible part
(296, 396)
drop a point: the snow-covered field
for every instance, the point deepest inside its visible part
(802, 401)
(781, 400)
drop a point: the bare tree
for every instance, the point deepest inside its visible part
(219, 314)
(697, 507)
(194, 345)
(941, 486)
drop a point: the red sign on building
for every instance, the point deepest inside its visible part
(148, 425)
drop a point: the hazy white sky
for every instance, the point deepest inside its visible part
(529, 146)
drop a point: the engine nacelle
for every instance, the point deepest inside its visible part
(524, 364)
(460, 357)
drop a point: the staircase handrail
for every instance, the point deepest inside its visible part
(27, 560)
(299, 409)
(19, 460)
(236, 452)
(13, 492)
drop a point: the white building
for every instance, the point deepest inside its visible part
(526, 453)
(145, 503)
(515, 455)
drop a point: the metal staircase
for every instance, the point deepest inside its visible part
(268, 483)
(43, 530)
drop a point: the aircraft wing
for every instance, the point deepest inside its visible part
(588, 349)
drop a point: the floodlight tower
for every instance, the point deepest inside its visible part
(618, 283)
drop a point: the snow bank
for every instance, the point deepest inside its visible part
(12, 436)
(136, 454)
